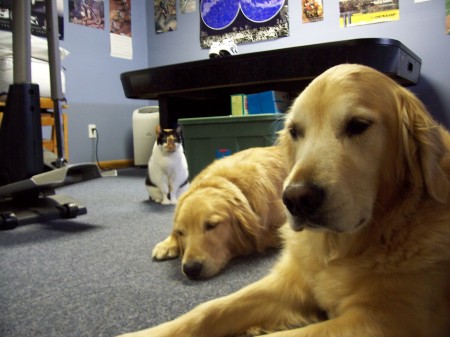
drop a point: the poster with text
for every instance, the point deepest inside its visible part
(312, 11)
(89, 13)
(165, 16)
(244, 21)
(37, 17)
(364, 12)
(120, 29)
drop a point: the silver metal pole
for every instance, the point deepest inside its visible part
(51, 16)
(54, 59)
(21, 28)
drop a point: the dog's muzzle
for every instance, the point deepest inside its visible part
(193, 270)
(304, 201)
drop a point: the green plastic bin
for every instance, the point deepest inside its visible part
(206, 139)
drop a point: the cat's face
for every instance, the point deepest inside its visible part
(169, 139)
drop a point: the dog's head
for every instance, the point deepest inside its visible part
(213, 223)
(355, 141)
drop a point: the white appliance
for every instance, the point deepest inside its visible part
(145, 121)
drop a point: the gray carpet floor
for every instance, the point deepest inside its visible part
(94, 276)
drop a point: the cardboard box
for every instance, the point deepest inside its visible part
(239, 105)
(274, 101)
(254, 104)
(268, 102)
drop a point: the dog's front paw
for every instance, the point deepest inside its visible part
(167, 249)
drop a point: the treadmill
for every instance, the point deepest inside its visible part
(27, 181)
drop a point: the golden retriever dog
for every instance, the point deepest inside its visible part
(232, 208)
(367, 252)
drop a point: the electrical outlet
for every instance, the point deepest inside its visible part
(91, 130)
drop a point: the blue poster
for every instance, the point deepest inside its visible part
(244, 21)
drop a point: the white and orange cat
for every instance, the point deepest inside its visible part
(168, 174)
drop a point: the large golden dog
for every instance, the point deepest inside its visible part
(232, 208)
(368, 249)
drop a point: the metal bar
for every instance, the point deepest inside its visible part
(21, 28)
(51, 16)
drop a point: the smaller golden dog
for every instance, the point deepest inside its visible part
(232, 208)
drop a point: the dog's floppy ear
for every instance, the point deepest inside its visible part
(423, 146)
(245, 223)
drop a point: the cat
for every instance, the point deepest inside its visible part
(168, 174)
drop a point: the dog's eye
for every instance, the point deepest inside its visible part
(210, 225)
(178, 232)
(357, 126)
(295, 132)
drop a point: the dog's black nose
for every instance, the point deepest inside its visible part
(303, 199)
(193, 269)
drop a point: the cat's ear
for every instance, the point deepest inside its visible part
(158, 129)
(178, 129)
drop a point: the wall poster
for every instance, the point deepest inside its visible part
(165, 16)
(89, 13)
(188, 6)
(312, 11)
(364, 12)
(120, 29)
(120, 17)
(244, 21)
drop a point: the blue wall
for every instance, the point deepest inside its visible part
(420, 28)
(94, 91)
(96, 97)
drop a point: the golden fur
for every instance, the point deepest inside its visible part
(232, 208)
(368, 248)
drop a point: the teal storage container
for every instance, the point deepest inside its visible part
(206, 139)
